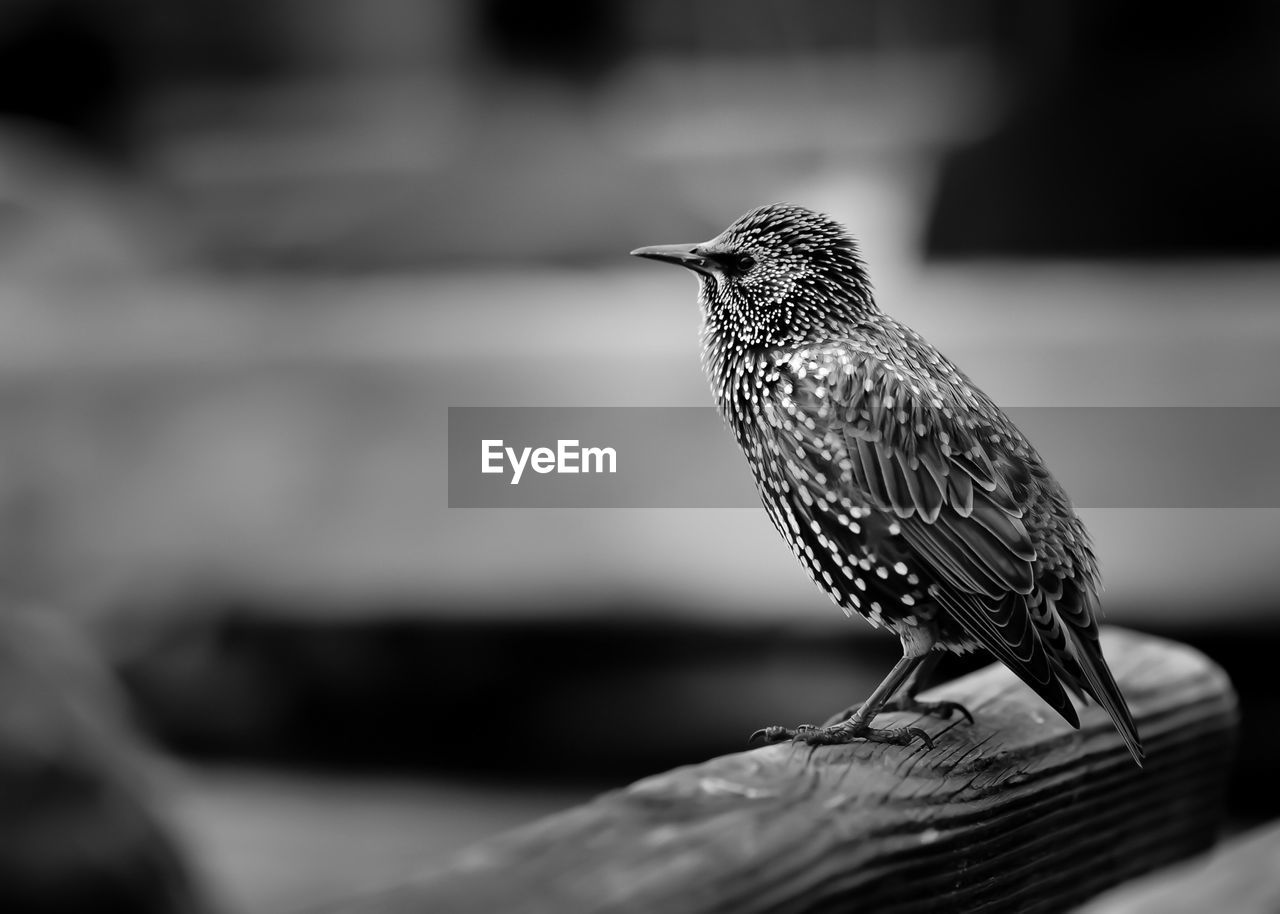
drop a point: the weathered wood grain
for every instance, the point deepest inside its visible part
(1240, 877)
(1016, 813)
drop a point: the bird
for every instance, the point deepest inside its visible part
(904, 491)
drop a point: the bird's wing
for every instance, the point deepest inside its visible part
(955, 486)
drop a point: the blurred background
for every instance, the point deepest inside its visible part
(251, 252)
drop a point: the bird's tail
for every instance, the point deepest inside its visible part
(1101, 685)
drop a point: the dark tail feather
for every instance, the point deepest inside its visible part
(1102, 686)
(1070, 675)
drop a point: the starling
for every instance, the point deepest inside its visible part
(904, 491)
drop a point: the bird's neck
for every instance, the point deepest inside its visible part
(725, 361)
(735, 350)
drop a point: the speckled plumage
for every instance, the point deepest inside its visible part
(902, 489)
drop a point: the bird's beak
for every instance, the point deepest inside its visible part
(685, 255)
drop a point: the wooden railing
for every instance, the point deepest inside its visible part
(1017, 812)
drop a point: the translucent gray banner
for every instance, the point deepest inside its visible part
(684, 457)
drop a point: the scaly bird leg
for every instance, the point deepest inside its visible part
(906, 699)
(858, 724)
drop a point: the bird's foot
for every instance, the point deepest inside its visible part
(943, 709)
(843, 732)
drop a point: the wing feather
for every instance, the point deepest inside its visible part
(926, 494)
(963, 497)
(1004, 629)
(1007, 528)
(952, 504)
(960, 488)
(895, 484)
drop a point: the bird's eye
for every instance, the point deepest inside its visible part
(745, 263)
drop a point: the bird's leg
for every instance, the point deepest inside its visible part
(858, 724)
(906, 699)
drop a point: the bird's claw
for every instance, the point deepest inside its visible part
(839, 734)
(776, 734)
(942, 709)
(916, 733)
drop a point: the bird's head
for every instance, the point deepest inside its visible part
(780, 274)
